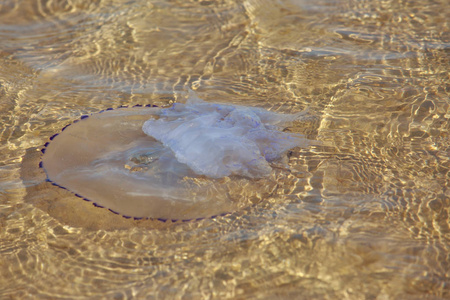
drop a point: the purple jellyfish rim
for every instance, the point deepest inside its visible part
(41, 166)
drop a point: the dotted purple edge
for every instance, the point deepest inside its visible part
(41, 165)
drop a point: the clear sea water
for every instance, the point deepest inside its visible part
(364, 216)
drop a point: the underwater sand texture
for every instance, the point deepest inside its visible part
(364, 217)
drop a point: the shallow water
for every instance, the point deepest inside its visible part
(364, 216)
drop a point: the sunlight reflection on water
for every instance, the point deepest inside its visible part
(364, 216)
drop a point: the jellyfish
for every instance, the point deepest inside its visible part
(189, 161)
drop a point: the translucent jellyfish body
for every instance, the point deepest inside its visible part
(188, 161)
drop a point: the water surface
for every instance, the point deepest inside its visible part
(364, 216)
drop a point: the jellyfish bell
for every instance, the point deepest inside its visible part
(185, 162)
(107, 159)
